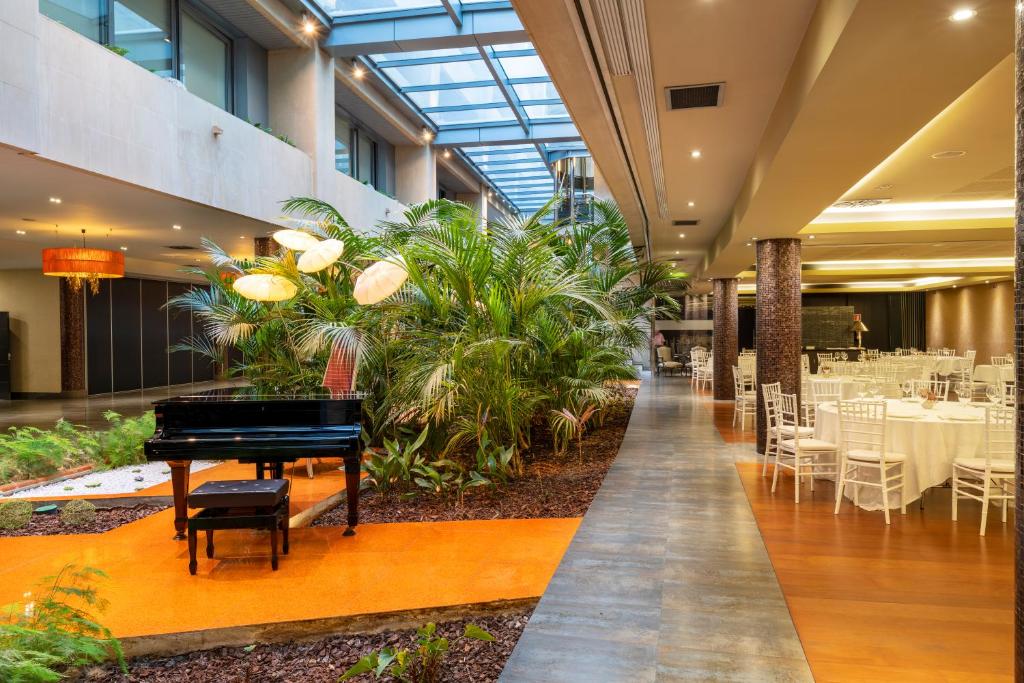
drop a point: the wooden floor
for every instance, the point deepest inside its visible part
(922, 600)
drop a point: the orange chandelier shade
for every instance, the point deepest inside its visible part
(81, 263)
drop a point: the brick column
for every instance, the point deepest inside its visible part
(72, 339)
(1018, 326)
(725, 342)
(778, 321)
(264, 246)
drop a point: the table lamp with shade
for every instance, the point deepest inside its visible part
(858, 327)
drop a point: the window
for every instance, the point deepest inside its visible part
(366, 159)
(204, 62)
(143, 28)
(342, 145)
(88, 17)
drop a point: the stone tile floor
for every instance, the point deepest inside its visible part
(667, 578)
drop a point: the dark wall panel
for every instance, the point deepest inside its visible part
(179, 329)
(203, 369)
(97, 339)
(154, 333)
(126, 324)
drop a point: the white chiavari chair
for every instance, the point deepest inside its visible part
(862, 432)
(939, 387)
(989, 479)
(745, 398)
(770, 395)
(801, 453)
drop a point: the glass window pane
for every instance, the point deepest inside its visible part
(342, 145)
(367, 159)
(449, 98)
(82, 16)
(507, 156)
(204, 62)
(447, 118)
(523, 67)
(448, 72)
(143, 27)
(506, 47)
(381, 59)
(546, 111)
(536, 91)
(342, 7)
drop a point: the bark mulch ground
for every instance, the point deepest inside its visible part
(325, 660)
(106, 519)
(553, 485)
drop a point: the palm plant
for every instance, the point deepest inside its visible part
(494, 330)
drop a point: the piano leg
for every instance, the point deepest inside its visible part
(179, 486)
(352, 494)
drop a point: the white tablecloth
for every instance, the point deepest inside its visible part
(993, 374)
(851, 386)
(930, 439)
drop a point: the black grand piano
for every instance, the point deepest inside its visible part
(249, 426)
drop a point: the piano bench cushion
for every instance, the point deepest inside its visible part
(239, 493)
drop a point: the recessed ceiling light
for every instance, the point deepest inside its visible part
(682, 234)
(695, 154)
(963, 14)
(358, 71)
(241, 237)
(55, 200)
(175, 227)
(754, 238)
(954, 286)
(308, 27)
(428, 134)
(20, 232)
(447, 154)
(986, 282)
(124, 248)
(677, 251)
(810, 237)
(691, 204)
(748, 244)
(949, 154)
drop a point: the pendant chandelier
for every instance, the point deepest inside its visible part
(79, 264)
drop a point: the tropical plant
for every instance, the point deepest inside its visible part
(424, 664)
(122, 444)
(42, 638)
(567, 426)
(392, 472)
(493, 331)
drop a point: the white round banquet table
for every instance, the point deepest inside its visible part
(926, 365)
(850, 387)
(930, 438)
(993, 374)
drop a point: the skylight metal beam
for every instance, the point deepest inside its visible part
(507, 134)
(498, 73)
(454, 10)
(472, 84)
(486, 24)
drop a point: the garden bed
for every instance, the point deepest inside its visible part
(553, 485)
(324, 660)
(106, 520)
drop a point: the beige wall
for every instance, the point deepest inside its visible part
(33, 300)
(978, 317)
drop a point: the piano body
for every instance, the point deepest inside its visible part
(249, 426)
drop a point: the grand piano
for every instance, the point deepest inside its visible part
(247, 425)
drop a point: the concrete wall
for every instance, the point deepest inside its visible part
(979, 317)
(33, 300)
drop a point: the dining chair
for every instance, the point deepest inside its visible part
(770, 395)
(1009, 393)
(862, 432)
(989, 479)
(939, 387)
(665, 361)
(823, 391)
(1000, 361)
(798, 451)
(745, 400)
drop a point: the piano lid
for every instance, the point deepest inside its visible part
(252, 394)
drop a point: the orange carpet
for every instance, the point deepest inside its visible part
(924, 599)
(385, 567)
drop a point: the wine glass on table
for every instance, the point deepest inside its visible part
(908, 390)
(993, 394)
(963, 393)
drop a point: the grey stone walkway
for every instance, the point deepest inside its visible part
(667, 578)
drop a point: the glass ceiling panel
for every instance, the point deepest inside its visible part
(347, 7)
(451, 118)
(382, 59)
(523, 67)
(435, 74)
(508, 156)
(484, 149)
(546, 111)
(536, 91)
(450, 98)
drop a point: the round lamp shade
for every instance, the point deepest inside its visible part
(295, 240)
(379, 281)
(321, 255)
(265, 287)
(83, 263)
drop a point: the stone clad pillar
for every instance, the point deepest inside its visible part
(72, 340)
(778, 321)
(1018, 342)
(725, 340)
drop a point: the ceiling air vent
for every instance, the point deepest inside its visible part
(686, 222)
(859, 203)
(181, 247)
(694, 96)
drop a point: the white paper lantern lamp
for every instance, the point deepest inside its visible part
(265, 287)
(296, 240)
(379, 281)
(321, 255)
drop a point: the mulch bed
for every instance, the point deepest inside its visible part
(553, 485)
(106, 519)
(323, 661)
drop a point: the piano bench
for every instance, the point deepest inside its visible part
(248, 504)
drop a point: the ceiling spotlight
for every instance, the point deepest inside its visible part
(754, 239)
(695, 154)
(428, 134)
(748, 244)
(124, 248)
(950, 154)
(954, 286)
(682, 234)
(691, 204)
(20, 232)
(55, 200)
(677, 251)
(963, 14)
(175, 227)
(308, 27)
(447, 154)
(986, 282)
(358, 71)
(810, 237)
(241, 237)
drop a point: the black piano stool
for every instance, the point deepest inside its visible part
(239, 504)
